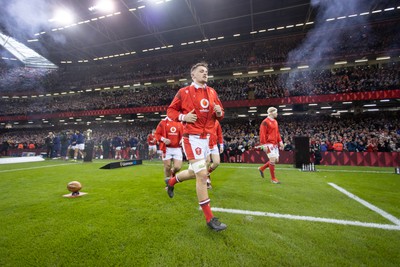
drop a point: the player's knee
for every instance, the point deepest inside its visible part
(202, 177)
(216, 163)
(199, 166)
(177, 169)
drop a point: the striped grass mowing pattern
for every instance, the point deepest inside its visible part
(127, 219)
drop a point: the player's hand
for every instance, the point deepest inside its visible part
(191, 117)
(218, 110)
(221, 149)
(167, 141)
(264, 148)
(259, 148)
(281, 146)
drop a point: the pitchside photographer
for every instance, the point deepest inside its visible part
(315, 149)
(4, 148)
(49, 145)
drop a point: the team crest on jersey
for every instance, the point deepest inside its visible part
(198, 150)
(172, 129)
(204, 103)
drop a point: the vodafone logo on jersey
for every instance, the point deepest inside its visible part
(204, 103)
(172, 131)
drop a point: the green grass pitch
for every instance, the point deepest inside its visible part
(127, 219)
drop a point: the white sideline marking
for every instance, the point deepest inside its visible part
(48, 166)
(286, 169)
(13, 160)
(308, 218)
(31, 168)
(367, 204)
(318, 170)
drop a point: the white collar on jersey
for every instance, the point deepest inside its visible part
(197, 86)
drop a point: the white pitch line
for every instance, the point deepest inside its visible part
(39, 167)
(367, 204)
(308, 218)
(289, 169)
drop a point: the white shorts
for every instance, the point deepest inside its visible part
(173, 153)
(72, 147)
(118, 148)
(214, 150)
(80, 146)
(273, 150)
(195, 147)
(153, 148)
(133, 148)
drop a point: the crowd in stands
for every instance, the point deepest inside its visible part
(313, 82)
(363, 133)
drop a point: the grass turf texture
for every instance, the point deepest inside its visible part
(127, 219)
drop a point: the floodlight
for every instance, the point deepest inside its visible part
(63, 16)
(104, 6)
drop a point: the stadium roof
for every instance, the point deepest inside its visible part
(137, 28)
(23, 53)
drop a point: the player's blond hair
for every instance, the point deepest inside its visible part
(271, 110)
(200, 64)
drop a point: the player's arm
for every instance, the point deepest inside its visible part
(159, 132)
(220, 139)
(263, 135)
(175, 108)
(280, 142)
(218, 108)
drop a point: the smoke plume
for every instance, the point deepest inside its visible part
(333, 26)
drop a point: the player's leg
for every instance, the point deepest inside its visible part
(200, 169)
(81, 149)
(167, 169)
(261, 169)
(214, 164)
(76, 153)
(177, 166)
(154, 152)
(180, 177)
(274, 157)
(216, 160)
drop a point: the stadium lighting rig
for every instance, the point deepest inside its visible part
(103, 6)
(63, 17)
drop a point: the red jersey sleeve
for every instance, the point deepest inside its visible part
(263, 132)
(174, 109)
(160, 131)
(220, 137)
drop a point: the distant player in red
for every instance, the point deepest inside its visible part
(198, 107)
(152, 142)
(270, 142)
(216, 139)
(169, 135)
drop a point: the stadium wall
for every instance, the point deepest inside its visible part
(374, 159)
